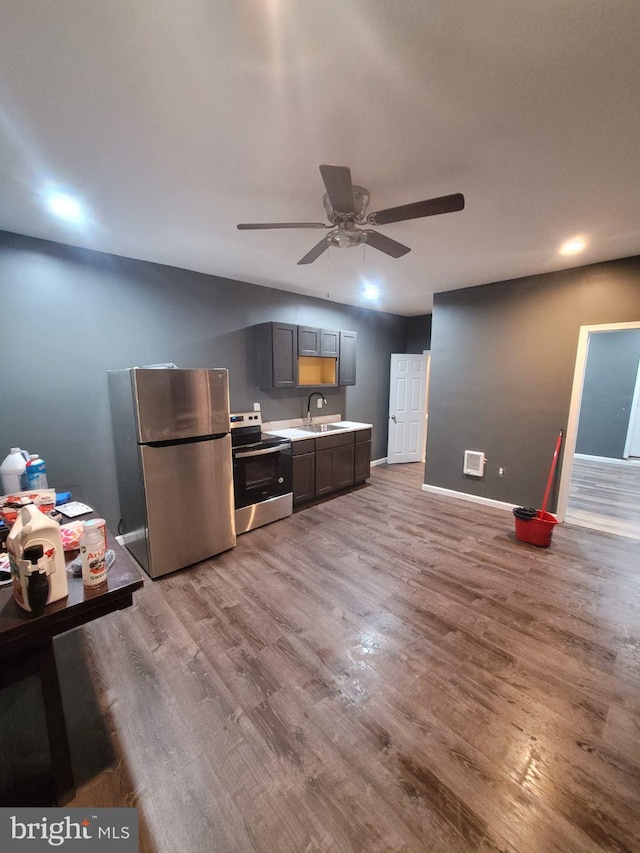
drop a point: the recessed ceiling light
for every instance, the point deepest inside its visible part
(573, 246)
(370, 292)
(65, 207)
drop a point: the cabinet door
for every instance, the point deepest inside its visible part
(324, 471)
(343, 466)
(304, 477)
(276, 345)
(362, 462)
(283, 355)
(347, 362)
(329, 343)
(308, 340)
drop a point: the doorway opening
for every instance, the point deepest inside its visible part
(596, 491)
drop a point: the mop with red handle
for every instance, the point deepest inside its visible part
(536, 526)
(554, 462)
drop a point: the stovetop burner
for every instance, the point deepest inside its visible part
(246, 432)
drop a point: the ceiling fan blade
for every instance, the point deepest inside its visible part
(315, 253)
(337, 180)
(386, 244)
(430, 207)
(245, 226)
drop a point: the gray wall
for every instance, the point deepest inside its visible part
(502, 362)
(609, 383)
(418, 333)
(69, 315)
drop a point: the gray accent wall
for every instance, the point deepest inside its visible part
(70, 315)
(607, 396)
(502, 364)
(418, 333)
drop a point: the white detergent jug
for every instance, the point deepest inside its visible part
(32, 528)
(13, 471)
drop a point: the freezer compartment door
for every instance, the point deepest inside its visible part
(189, 498)
(174, 404)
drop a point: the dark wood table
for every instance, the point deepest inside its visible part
(26, 645)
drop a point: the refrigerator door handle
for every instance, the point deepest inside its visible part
(258, 452)
(173, 442)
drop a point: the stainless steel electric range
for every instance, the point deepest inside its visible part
(262, 479)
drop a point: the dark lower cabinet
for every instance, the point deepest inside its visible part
(362, 459)
(324, 472)
(304, 477)
(334, 462)
(329, 463)
(343, 466)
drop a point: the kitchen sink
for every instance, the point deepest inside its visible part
(321, 428)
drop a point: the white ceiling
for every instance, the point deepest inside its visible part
(174, 120)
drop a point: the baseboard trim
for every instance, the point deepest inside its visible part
(610, 459)
(465, 496)
(375, 462)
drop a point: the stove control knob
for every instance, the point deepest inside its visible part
(281, 479)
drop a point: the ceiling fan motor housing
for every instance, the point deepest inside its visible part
(360, 204)
(345, 237)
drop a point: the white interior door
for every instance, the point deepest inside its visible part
(632, 447)
(407, 407)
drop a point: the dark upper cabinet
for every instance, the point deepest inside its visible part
(285, 356)
(318, 342)
(347, 360)
(276, 347)
(308, 340)
(329, 343)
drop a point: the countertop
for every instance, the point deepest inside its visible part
(296, 433)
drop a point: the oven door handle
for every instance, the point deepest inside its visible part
(259, 452)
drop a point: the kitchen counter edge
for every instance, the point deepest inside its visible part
(296, 434)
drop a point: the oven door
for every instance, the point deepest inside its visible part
(261, 473)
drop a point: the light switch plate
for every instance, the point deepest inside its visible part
(256, 407)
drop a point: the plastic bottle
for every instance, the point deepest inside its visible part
(36, 473)
(32, 528)
(13, 471)
(94, 567)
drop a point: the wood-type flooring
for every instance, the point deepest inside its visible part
(605, 496)
(386, 671)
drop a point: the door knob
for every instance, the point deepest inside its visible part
(393, 418)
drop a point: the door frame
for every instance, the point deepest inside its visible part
(635, 414)
(575, 405)
(426, 358)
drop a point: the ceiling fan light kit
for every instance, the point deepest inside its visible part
(346, 205)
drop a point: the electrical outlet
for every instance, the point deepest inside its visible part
(319, 403)
(256, 407)
(501, 471)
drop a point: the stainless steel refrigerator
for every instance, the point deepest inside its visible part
(173, 457)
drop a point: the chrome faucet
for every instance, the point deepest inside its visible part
(309, 419)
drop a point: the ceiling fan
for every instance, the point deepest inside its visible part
(346, 205)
